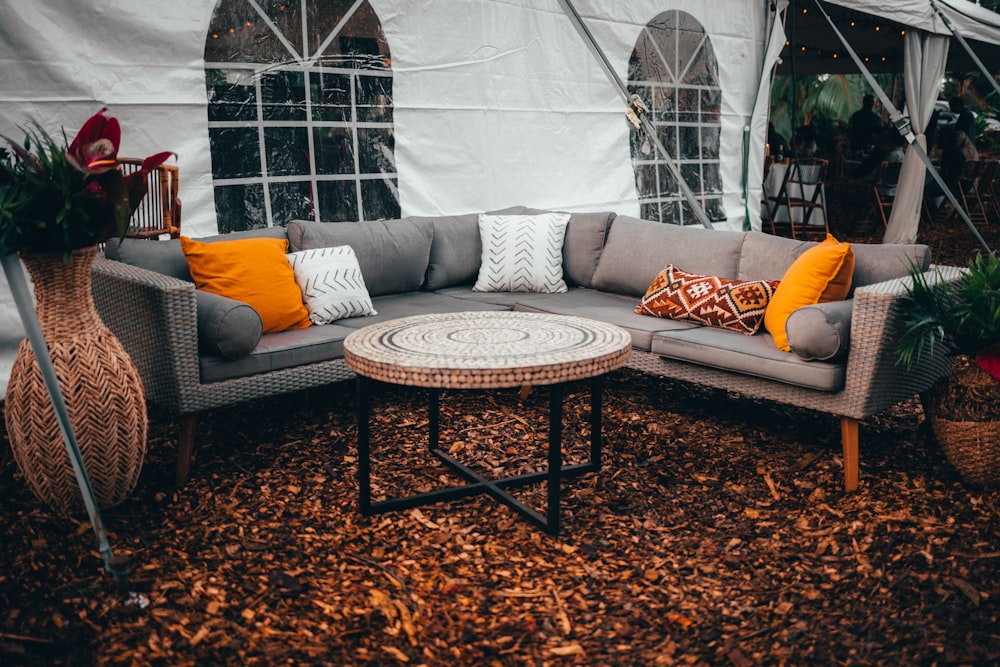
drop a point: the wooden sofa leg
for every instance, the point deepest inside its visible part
(185, 448)
(849, 441)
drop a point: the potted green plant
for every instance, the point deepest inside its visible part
(962, 317)
(57, 203)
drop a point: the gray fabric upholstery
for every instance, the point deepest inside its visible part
(637, 250)
(876, 262)
(455, 252)
(821, 332)
(505, 299)
(606, 307)
(275, 351)
(164, 257)
(583, 245)
(767, 257)
(226, 327)
(393, 254)
(392, 306)
(167, 257)
(752, 355)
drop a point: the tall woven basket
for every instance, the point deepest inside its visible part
(964, 413)
(103, 393)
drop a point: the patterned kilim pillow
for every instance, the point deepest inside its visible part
(719, 302)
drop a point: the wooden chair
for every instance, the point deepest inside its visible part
(802, 196)
(885, 186)
(968, 190)
(159, 212)
(988, 188)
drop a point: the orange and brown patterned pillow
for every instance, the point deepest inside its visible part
(718, 302)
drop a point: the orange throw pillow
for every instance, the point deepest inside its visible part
(822, 273)
(254, 271)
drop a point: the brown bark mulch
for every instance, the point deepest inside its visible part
(717, 533)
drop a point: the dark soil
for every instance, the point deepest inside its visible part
(718, 532)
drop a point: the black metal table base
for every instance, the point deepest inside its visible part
(497, 488)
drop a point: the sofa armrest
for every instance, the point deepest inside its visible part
(155, 318)
(874, 380)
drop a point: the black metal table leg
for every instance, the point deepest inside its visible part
(552, 476)
(364, 445)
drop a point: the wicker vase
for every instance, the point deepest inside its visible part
(964, 413)
(101, 387)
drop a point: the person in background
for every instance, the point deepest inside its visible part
(777, 143)
(956, 150)
(864, 124)
(966, 119)
(888, 148)
(805, 142)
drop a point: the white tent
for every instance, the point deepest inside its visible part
(495, 102)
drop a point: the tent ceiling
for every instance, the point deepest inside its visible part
(876, 35)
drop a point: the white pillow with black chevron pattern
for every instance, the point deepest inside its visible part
(522, 253)
(331, 283)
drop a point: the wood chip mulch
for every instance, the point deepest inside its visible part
(717, 533)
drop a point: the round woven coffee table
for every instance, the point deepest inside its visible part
(485, 350)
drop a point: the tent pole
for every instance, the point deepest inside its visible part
(903, 127)
(965, 45)
(646, 125)
(117, 566)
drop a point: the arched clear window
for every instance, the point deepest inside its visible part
(674, 70)
(299, 113)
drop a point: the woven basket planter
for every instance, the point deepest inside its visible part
(964, 413)
(101, 387)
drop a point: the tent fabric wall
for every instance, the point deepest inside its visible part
(925, 58)
(496, 102)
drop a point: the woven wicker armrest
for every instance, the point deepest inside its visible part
(155, 318)
(875, 380)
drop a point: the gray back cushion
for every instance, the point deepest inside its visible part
(393, 254)
(768, 257)
(875, 262)
(166, 256)
(583, 244)
(456, 249)
(637, 250)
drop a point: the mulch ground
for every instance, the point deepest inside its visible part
(717, 533)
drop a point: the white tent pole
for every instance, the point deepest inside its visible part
(647, 127)
(965, 45)
(903, 127)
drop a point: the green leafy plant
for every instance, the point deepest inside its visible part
(55, 198)
(963, 317)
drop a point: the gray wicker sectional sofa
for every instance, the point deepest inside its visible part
(196, 351)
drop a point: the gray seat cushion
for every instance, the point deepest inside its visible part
(392, 306)
(284, 349)
(505, 299)
(753, 355)
(611, 308)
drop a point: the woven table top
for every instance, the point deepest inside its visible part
(486, 349)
